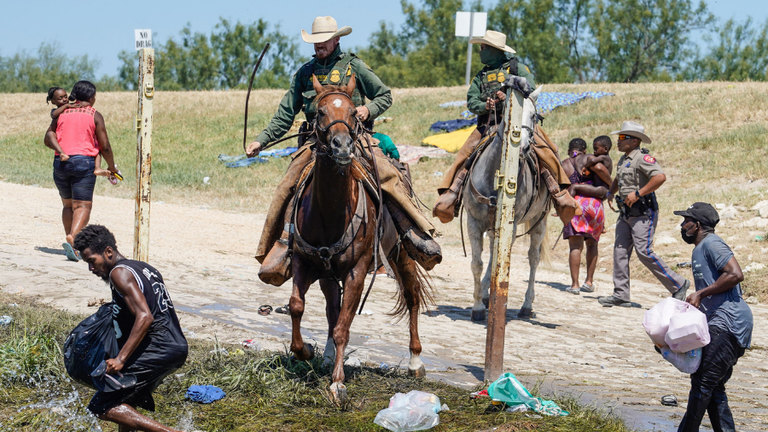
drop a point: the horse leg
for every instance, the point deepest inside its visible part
(534, 255)
(411, 289)
(301, 283)
(332, 293)
(486, 284)
(354, 283)
(476, 243)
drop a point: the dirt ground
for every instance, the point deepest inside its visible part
(206, 258)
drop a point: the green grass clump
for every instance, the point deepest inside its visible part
(265, 390)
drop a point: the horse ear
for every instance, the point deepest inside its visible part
(351, 85)
(316, 84)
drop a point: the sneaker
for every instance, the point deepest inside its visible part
(571, 290)
(610, 301)
(587, 288)
(680, 294)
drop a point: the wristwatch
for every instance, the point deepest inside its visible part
(637, 192)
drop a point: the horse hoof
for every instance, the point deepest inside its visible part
(478, 315)
(339, 393)
(526, 313)
(485, 302)
(418, 373)
(307, 352)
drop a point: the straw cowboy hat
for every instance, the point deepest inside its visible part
(494, 39)
(323, 30)
(633, 129)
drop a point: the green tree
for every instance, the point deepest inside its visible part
(640, 39)
(740, 54)
(571, 19)
(50, 67)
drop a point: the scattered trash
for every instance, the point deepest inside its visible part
(452, 104)
(479, 394)
(669, 400)
(665, 240)
(206, 180)
(759, 238)
(753, 267)
(687, 362)
(366, 312)
(252, 345)
(645, 375)
(518, 408)
(222, 351)
(509, 390)
(444, 407)
(438, 174)
(384, 366)
(13, 305)
(353, 361)
(204, 393)
(265, 309)
(380, 120)
(412, 411)
(5, 320)
(684, 264)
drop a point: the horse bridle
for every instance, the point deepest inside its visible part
(353, 131)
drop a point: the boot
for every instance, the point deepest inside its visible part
(276, 267)
(446, 203)
(565, 205)
(418, 244)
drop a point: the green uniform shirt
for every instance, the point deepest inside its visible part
(301, 93)
(475, 95)
(635, 170)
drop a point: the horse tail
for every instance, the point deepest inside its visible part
(414, 285)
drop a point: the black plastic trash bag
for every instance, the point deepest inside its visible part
(89, 344)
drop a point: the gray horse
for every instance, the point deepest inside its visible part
(531, 207)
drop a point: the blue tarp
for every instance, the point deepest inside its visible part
(452, 125)
(204, 393)
(548, 101)
(242, 160)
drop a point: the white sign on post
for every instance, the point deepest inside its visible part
(477, 21)
(143, 38)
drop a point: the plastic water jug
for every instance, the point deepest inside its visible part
(688, 330)
(686, 362)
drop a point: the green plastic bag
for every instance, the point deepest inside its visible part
(509, 390)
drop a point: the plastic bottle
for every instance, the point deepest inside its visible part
(687, 362)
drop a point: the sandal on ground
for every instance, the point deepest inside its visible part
(283, 310)
(669, 400)
(587, 288)
(265, 310)
(70, 252)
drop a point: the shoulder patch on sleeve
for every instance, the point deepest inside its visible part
(526, 68)
(649, 159)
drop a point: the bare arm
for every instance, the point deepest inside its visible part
(588, 190)
(125, 284)
(602, 172)
(52, 142)
(654, 183)
(731, 276)
(104, 147)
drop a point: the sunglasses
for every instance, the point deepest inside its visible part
(623, 137)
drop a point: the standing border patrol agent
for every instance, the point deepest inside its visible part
(485, 98)
(332, 66)
(638, 176)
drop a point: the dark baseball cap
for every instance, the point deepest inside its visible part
(702, 212)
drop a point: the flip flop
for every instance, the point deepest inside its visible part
(587, 288)
(265, 310)
(669, 400)
(71, 255)
(283, 310)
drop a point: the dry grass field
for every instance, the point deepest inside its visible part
(708, 137)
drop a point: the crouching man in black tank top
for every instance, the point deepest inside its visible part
(149, 336)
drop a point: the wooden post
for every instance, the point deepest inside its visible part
(505, 181)
(144, 153)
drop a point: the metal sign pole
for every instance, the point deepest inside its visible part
(505, 182)
(144, 153)
(469, 49)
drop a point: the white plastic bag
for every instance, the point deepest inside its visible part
(688, 330)
(413, 411)
(687, 362)
(656, 319)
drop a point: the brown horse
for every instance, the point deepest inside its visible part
(334, 229)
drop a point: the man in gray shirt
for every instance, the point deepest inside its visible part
(717, 277)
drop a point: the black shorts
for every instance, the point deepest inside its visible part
(75, 178)
(148, 377)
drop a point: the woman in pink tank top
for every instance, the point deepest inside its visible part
(80, 133)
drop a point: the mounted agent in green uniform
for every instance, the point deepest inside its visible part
(484, 98)
(332, 66)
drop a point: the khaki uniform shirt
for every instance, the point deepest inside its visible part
(635, 170)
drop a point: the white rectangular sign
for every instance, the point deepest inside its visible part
(143, 38)
(479, 22)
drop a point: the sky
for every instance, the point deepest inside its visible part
(101, 29)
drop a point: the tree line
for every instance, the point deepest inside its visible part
(562, 41)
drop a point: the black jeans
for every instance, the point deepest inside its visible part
(708, 383)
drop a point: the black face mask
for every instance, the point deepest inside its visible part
(690, 239)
